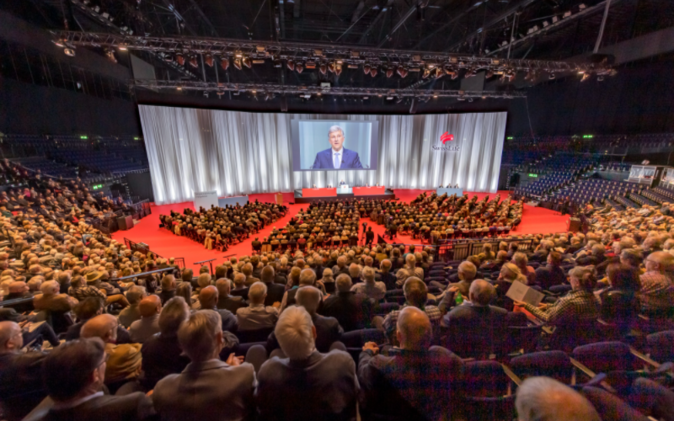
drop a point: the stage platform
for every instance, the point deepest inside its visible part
(389, 195)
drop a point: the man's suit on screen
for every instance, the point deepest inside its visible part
(350, 160)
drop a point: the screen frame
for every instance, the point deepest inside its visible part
(295, 140)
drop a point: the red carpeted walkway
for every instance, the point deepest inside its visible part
(166, 244)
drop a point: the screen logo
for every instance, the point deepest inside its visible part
(446, 137)
(442, 147)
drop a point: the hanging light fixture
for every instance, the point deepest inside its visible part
(290, 64)
(237, 63)
(208, 59)
(224, 63)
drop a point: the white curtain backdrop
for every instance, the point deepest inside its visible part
(238, 153)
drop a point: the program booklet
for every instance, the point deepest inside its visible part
(520, 292)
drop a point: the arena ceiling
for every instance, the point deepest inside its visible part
(538, 29)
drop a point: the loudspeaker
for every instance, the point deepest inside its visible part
(574, 225)
(125, 222)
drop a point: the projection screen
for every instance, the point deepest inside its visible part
(239, 153)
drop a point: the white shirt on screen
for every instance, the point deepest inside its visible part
(337, 158)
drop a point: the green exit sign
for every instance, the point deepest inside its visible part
(97, 186)
(510, 138)
(533, 175)
(588, 136)
(84, 137)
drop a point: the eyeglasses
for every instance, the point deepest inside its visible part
(106, 357)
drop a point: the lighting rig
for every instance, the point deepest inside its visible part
(323, 58)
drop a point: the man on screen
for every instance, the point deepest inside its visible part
(337, 157)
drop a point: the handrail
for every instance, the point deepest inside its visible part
(16, 301)
(143, 274)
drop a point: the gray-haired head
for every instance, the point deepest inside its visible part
(335, 128)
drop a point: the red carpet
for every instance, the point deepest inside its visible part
(165, 244)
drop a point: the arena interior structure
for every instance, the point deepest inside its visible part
(339, 210)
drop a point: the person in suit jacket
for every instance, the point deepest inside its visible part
(480, 326)
(353, 311)
(74, 373)
(208, 388)
(306, 385)
(225, 300)
(416, 381)
(552, 273)
(208, 297)
(275, 291)
(337, 157)
(162, 354)
(328, 329)
(257, 315)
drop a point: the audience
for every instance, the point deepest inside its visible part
(257, 315)
(143, 329)
(546, 399)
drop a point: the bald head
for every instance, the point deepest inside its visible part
(18, 287)
(149, 306)
(414, 329)
(208, 297)
(103, 326)
(546, 399)
(660, 261)
(11, 339)
(481, 292)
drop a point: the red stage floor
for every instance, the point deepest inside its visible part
(165, 244)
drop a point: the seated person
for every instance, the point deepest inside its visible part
(161, 353)
(225, 300)
(217, 389)
(123, 360)
(391, 384)
(352, 310)
(74, 374)
(143, 329)
(543, 398)
(21, 387)
(305, 385)
(257, 315)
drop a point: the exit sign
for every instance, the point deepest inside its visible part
(533, 175)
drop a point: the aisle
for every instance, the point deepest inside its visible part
(166, 244)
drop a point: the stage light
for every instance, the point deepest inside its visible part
(268, 96)
(489, 74)
(373, 71)
(59, 43)
(246, 62)
(331, 67)
(402, 72)
(426, 73)
(122, 47)
(338, 69)
(585, 77)
(238, 54)
(278, 63)
(237, 63)
(439, 73)
(290, 64)
(168, 58)
(193, 61)
(224, 63)
(389, 72)
(70, 52)
(179, 88)
(435, 96)
(299, 67)
(323, 68)
(366, 69)
(552, 76)
(208, 59)
(111, 55)
(180, 59)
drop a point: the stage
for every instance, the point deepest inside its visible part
(388, 195)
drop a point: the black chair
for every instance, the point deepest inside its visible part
(254, 335)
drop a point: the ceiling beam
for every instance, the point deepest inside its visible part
(512, 10)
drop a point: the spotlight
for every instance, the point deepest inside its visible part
(246, 62)
(111, 55)
(179, 88)
(373, 71)
(426, 73)
(69, 52)
(193, 61)
(278, 63)
(338, 69)
(439, 73)
(291, 65)
(237, 63)
(168, 58)
(585, 77)
(208, 59)
(268, 96)
(180, 59)
(552, 76)
(600, 78)
(59, 43)
(389, 72)
(331, 67)
(122, 47)
(224, 63)
(323, 68)
(299, 67)
(402, 72)
(366, 69)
